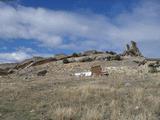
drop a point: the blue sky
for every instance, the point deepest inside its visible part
(47, 27)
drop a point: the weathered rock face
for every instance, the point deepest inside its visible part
(44, 61)
(34, 62)
(132, 50)
(141, 62)
(27, 62)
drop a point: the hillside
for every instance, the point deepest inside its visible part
(121, 87)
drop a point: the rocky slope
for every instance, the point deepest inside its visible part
(131, 58)
(47, 88)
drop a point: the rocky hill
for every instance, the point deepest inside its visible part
(91, 85)
(130, 58)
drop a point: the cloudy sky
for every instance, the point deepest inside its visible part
(47, 27)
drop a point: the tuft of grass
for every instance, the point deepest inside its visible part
(64, 113)
(101, 98)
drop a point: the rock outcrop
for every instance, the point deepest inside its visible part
(27, 62)
(87, 56)
(34, 62)
(79, 59)
(44, 61)
(132, 50)
(91, 52)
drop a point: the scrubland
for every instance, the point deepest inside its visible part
(113, 97)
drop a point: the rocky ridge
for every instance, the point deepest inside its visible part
(132, 52)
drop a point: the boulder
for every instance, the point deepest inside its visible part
(115, 57)
(87, 59)
(66, 61)
(42, 73)
(71, 60)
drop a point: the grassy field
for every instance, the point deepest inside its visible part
(116, 97)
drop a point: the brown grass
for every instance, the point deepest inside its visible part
(102, 98)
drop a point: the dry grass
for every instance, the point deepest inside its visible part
(64, 113)
(103, 98)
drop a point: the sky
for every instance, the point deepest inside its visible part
(47, 27)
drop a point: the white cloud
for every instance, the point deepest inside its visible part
(13, 57)
(20, 54)
(83, 30)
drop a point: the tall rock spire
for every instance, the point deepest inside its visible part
(132, 50)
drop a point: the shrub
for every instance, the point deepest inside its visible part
(111, 52)
(152, 69)
(75, 55)
(65, 61)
